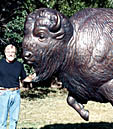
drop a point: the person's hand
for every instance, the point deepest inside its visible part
(30, 77)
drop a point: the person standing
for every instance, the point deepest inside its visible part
(11, 71)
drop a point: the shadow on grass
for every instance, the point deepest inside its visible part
(36, 93)
(40, 91)
(91, 125)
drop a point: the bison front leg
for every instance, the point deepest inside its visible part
(78, 107)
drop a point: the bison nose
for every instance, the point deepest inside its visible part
(27, 55)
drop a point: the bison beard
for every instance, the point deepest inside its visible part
(79, 50)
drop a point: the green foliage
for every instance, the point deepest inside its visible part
(70, 7)
(30, 5)
(14, 29)
(49, 3)
(109, 3)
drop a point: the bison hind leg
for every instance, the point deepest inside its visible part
(78, 107)
(106, 90)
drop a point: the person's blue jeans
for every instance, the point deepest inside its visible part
(9, 103)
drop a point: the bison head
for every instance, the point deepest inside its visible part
(47, 33)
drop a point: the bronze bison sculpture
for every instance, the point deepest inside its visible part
(78, 50)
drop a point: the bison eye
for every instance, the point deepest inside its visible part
(41, 36)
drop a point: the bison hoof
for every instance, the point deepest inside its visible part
(84, 114)
(81, 105)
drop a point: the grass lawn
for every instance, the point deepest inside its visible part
(51, 111)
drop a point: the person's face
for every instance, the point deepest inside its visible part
(10, 53)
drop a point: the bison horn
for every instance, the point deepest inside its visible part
(56, 27)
